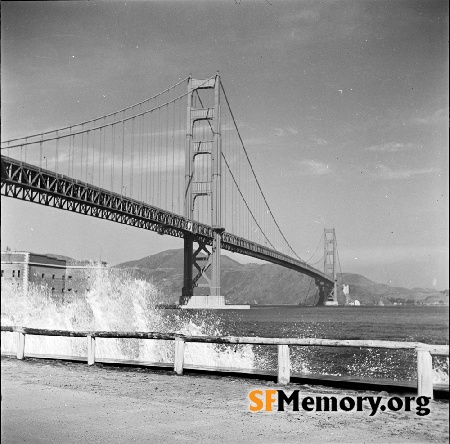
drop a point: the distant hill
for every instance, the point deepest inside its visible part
(267, 284)
(372, 293)
(241, 283)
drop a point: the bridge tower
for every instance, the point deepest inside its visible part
(329, 265)
(203, 139)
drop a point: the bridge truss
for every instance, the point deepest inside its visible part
(32, 184)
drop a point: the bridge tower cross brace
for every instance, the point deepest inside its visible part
(211, 189)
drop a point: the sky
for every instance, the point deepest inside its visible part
(342, 106)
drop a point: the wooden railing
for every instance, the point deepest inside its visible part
(424, 351)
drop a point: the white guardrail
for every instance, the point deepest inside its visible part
(424, 351)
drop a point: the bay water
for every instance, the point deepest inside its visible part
(117, 301)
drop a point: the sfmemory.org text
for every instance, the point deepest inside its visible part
(264, 400)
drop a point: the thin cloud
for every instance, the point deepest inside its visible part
(314, 168)
(391, 147)
(439, 116)
(320, 141)
(392, 254)
(307, 15)
(386, 173)
(286, 131)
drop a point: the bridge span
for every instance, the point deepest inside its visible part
(164, 167)
(33, 184)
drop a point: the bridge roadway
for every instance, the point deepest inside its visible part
(27, 182)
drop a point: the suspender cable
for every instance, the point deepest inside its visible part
(318, 245)
(132, 157)
(56, 153)
(91, 174)
(173, 154)
(141, 171)
(159, 158)
(153, 162)
(40, 154)
(123, 154)
(73, 156)
(254, 175)
(87, 155)
(70, 156)
(146, 156)
(108, 124)
(113, 136)
(81, 161)
(105, 154)
(93, 154)
(166, 155)
(107, 115)
(100, 163)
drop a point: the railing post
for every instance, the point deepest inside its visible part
(284, 370)
(179, 355)
(20, 345)
(91, 349)
(424, 373)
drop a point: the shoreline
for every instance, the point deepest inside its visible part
(54, 401)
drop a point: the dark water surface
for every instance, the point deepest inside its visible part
(426, 324)
(394, 323)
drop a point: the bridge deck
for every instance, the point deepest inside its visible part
(27, 182)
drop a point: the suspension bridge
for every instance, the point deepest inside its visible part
(175, 164)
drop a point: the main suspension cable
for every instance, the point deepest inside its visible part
(318, 245)
(254, 175)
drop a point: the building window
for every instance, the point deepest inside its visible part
(53, 277)
(70, 277)
(18, 273)
(2, 272)
(43, 275)
(14, 273)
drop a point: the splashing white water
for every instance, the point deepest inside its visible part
(441, 371)
(116, 301)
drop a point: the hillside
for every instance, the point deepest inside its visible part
(372, 293)
(267, 284)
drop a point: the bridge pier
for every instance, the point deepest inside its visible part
(321, 287)
(326, 293)
(187, 273)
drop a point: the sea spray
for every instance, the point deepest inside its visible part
(115, 301)
(118, 301)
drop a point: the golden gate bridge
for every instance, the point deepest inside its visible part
(175, 164)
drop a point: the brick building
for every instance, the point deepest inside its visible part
(59, 275)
